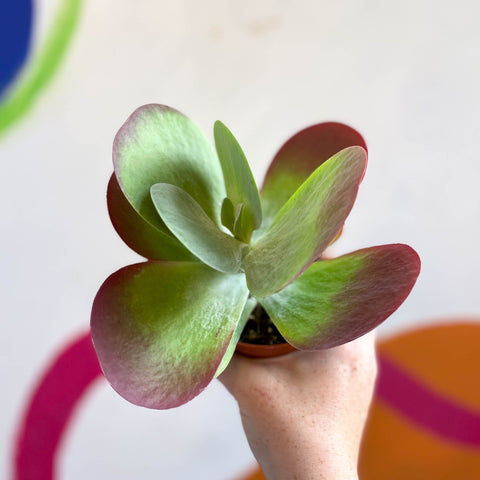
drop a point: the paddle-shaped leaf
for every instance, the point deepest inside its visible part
(191, 225)
(306, 224)
(158, 144)
(335, 301)
(239, 181)
(137, 233)
(299, 157)
(161, 329)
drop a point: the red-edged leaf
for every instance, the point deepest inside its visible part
(338, 300)
(137, 233)
(299, 157)
(161, 329)
(158, 144)
(306, 224)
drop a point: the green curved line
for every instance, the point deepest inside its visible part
(43, 67)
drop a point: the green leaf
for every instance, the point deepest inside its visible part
(298, 158)
(228, 214)
(161, 330)
(335, 301)
(191, 225)
(139, 234)
(239, 224)
(306, 224)
(158, 144)
(247, 310)
(239, 181)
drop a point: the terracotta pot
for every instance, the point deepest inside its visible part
(263, 351)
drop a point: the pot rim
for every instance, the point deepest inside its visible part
(254, 350)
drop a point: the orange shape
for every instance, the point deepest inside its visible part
(444, 359)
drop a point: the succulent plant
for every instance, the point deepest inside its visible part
(164, 328)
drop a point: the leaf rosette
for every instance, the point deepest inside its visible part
(165, 328)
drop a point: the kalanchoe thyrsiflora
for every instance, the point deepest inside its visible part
(164, 328)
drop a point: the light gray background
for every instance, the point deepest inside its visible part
(405, 74)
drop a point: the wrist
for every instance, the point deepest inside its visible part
(305, 453)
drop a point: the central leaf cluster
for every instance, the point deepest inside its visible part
(297, 235)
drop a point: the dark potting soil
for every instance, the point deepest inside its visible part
(260, 330)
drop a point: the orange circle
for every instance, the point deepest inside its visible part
(445, 359)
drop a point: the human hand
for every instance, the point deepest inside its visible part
(304, 413)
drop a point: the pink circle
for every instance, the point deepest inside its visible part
(50, 408)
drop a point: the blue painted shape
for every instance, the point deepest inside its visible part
(15, 35)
